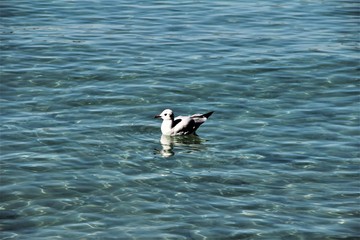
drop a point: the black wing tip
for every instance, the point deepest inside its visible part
(207, 115)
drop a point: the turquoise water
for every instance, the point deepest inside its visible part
(81, 156)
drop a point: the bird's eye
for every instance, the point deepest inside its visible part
(165, 114)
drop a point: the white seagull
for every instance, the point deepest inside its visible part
(181, 125)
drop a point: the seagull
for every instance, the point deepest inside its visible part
(181, 125)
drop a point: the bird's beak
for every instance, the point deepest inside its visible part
(157, 116)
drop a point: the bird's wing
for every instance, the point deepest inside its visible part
(177, 120)
(183, 125)
(200, 119)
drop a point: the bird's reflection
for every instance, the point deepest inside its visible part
(169, 142)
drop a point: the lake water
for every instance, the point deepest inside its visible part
(81, 156)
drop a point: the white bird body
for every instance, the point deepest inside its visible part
(181, 125)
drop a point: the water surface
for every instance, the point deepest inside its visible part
(82, 156)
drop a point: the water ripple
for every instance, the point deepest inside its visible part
(82, 156)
